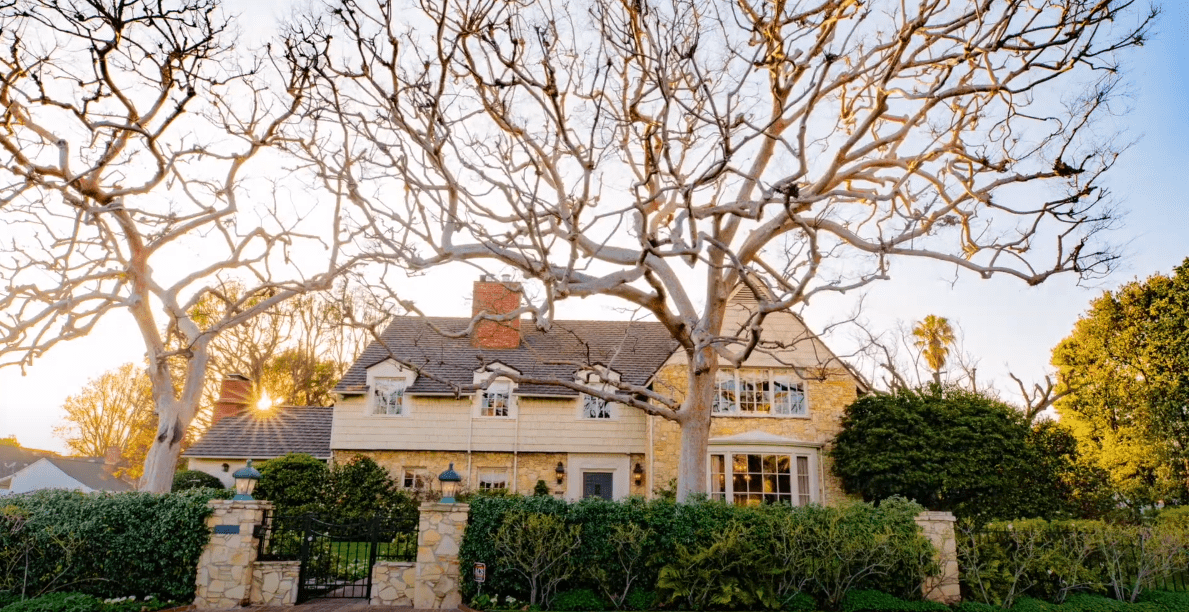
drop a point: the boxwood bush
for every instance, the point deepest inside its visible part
(702, 555)
(103, 544)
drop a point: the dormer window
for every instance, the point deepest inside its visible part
(595, 408)
(388, 396)
(496, 400)
(759, 392)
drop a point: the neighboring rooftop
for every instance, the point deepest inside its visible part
(91, 472)
(14, 458)
(634, 349)
(256, 434)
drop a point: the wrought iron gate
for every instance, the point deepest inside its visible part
(337, 557)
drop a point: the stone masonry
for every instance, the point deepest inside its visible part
(275, 582)
(393, 583)
(939, 528)
(225, 566)
(440, 533)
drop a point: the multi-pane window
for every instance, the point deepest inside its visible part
(758, 392)
(497, 400)
(389, 396)
(414, 478)
(750, 479)
(493, 479)
(595, 408)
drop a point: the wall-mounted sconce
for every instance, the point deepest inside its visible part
(638, 474)
(561, 472)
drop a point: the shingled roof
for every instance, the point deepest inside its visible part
(261, 435)
(633, 349)
(91, 472)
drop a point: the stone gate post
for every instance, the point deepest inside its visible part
(225, 568)
(438, 583)
(939, 528)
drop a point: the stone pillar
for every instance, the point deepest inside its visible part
(393, 583)
(438, 537)
(939, 528)
(225, 568)
(274, 583)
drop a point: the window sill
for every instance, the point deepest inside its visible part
(384, 415)
(745, 415)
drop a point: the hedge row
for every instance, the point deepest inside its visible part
(1053, 561)
(103, 544)
(707, 555)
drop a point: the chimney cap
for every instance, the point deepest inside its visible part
(236, 376)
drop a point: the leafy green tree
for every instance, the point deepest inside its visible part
(1125, 368)
(946, 448)
(295, 483)
(361, 488)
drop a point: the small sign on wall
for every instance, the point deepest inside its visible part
(227, 529)
(480, 572)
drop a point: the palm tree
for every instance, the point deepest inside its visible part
(934, 336)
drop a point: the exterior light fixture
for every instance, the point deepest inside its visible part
(561, 472)
(245, 482)
(449, 480)
(638, 474)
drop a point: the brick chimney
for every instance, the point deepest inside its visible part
(111, 459)
(496, 297)
(234, 395)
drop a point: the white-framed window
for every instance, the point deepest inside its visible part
(759, 392)
(388, 396)
(595, 408)
(496, 400)
(491, 480)
(414, 478)
(751, 478)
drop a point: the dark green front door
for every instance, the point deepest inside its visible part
(596, 484)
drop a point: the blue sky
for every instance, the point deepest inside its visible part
(1007, 325)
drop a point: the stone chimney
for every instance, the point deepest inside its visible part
(234, 396)
(496, 297)
(111, 459)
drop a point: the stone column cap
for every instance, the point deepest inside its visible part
(236, 504)
(440, 507)
(933, 515)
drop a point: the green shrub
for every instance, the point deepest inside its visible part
(579, 600)
(295, 483)
(540, 489)
(540, 548)
(1028, 604)
(58, 602)
(625, 546)
(194, 479)
(877, 601)
(104, 544)
(798, 602)
(1166, 601)
(361, 488)
(975, 606)
(8, 597)
(640, 599)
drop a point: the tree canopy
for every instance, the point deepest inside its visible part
(956, 450)
(1125, 369)
(112, 409)
(665, 152)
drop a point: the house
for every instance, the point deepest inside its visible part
(239, 432)
(14, 459)
(84, 474)
(419, 399)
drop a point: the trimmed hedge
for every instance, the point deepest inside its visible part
(703, 555)
(103, 544)
(81, 602)
(185, 480)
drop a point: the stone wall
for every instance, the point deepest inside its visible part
(275, 582)
(225, 566)
(939, 528)
(440, 533)
(393, 583)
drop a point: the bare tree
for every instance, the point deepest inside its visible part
(665, 152)
(126, 132)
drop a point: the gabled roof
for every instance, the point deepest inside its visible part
(14, 458)
(90, 472)
(262, 435)
(634, 349)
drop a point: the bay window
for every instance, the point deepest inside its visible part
(754, 478)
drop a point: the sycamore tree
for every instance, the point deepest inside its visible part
(129, 130)
(1124, 373)
(664, 152)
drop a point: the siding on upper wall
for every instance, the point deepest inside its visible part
(446, 424)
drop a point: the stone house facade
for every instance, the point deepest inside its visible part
(436, 391)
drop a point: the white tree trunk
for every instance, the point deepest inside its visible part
(695, 433)
(162, 458)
